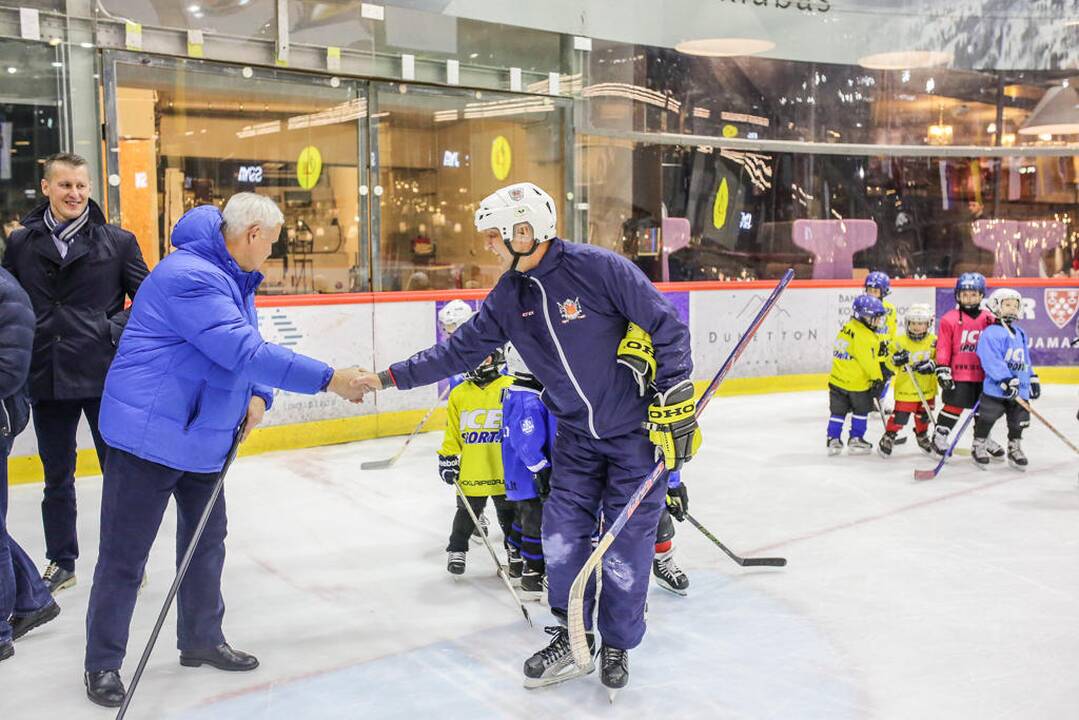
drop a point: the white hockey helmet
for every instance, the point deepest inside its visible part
(919, 313)
(454, 314)
(514, 204)
(515, 364)
(995, 303)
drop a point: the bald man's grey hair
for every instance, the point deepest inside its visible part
(247, 208)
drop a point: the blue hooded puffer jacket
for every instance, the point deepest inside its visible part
(192, 356)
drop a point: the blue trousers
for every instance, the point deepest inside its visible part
(22, 590)
(134, 497)
(55, 424)
(590, 476)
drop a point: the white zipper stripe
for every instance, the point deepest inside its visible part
(565, 362)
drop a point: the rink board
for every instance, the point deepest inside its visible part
(791, 351)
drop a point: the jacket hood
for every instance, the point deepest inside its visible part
(199, 232)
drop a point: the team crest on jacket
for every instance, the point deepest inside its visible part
(1061, 305)
(571, 309)
(527, 426)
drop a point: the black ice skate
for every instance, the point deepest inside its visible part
(455, 563)
(994, 449)
(924, 443)
(533, 587)
(979, 454)
(614, 669)
(554, 663)
(858, 446)
(668, 575)
(835, 446)
(514, 564)
(1016, 457)
(57, 578)
(887, 442)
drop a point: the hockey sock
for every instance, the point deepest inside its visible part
(664, 546)
(897, 421)
(857, 426)
(948, 417)
(921, 423)
(514, 536)
(531, 549)
(835, 426)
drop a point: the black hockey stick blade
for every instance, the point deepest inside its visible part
(744, 562)
(377, 464)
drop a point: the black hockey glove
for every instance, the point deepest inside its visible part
(1010, 388)
(1035, 387)
(882, 351)
(542, 480)
(944, 378)
(876, 389)
(636, 352)
(678, 502)
(901, 358)
(925, 367)
(449, 468)
(672, 425)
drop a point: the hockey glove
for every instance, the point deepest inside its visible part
(882, 351)
(1035, 387)
(901, 358)
(542, 480)
(876, 389)
(1010, 388)
(449, 468)
(672, 425)
(636, 352)
(944, 378)
(925, 367)
(678, 502)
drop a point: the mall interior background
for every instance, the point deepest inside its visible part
(705, 141)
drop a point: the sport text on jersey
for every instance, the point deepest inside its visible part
(969, 341)
(481, 426)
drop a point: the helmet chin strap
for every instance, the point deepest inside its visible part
(516, 255)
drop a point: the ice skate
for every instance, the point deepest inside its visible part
(554, 663)
(514, 564)
(835, 446)
(940, 441)
(978, 454)
(887, 442)
(858, 446)
(924, 443)
(1016, 457)
(994, 449)
(455, 563)
(533, 586)
(614, 670)
(668, 575)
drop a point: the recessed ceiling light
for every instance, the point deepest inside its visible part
(905, 59)
(12, 70)
(724, 47)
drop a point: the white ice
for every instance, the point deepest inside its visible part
(953, 598)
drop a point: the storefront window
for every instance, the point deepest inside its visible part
(29, 125)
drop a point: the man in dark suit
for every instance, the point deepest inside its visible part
(77, 270)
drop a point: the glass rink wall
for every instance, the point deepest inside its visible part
(713, 141)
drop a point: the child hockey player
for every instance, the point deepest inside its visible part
(528, 433)
(1002, 349)
(879, 285)
(856, 376)
(471, 453)
(565, 307)
(959, 371)
(915, 349)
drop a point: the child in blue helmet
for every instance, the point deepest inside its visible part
(856, 376)
(879, 285)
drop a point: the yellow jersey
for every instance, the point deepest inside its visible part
(924, 349)
(855, 357)
(890, 322)
(474, 431)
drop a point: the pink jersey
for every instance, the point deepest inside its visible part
(957, 344)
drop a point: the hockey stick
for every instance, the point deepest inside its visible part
(383, 464)
(930, 474)
(181, 571)
(575, 610)
(744, 562)
(1026, 406)
(498, 564)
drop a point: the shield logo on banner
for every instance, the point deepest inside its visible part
(1061, 305)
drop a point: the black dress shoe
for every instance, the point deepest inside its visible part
(22, 624)
(105, 688)
(7, 650)
(221, 657)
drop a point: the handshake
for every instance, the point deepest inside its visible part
(353, 383)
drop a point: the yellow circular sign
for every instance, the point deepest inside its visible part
(719, 207)
(501, 157)
(730, 131)
(309, 167)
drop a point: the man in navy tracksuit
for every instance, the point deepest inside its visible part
(566, 307)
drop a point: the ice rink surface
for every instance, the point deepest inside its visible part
(952, 598)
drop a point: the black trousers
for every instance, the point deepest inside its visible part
(55, 424)
(463, 525)
(526, 533)
(990, 411)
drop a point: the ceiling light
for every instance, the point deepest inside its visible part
(12, 70)
(905, 59)
(724, 47)
(193, 8)
(1057, 113)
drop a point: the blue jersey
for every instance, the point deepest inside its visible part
(1004, 355)
(527, 438)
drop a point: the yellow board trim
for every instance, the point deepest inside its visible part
(27, 468)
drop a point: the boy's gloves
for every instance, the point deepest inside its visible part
(944, 377)
(1010, 388)
(672, 425)
(636, 352)
(925, 367)
(901, 358)
(678, 502)
(542, 479)
(449, 468)
(1035, 387)
(876, 389)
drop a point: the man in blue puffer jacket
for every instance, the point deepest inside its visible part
(566, 308)
(190, 367)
